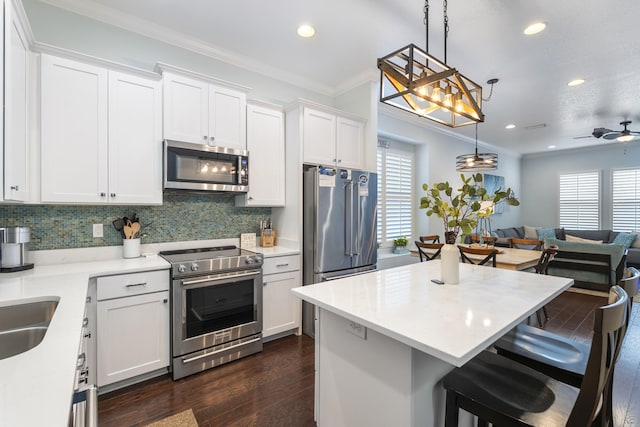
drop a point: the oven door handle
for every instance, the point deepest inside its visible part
(193, 359)
(222, 276)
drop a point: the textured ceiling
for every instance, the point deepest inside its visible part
(595, 40)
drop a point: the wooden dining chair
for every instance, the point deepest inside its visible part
(433, 249)
(556, 355)
(533, 244)
(488, 253)
(486, 239)
(541, 268)
(432, 238)
(504, 392)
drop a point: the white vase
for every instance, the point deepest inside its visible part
(449, 264)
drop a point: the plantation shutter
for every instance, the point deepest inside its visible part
(395, 194)
(580, 201)
(626, 200)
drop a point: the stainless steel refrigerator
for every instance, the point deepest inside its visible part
(339, 224)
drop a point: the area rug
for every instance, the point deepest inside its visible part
(181, 419)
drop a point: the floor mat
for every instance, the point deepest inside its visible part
(181, 419)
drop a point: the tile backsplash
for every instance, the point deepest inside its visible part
(183, 216)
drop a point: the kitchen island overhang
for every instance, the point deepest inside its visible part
(417, 331)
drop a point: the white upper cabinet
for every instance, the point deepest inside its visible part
(16, 68)
(319, 135)
(100, 135)
(204, 113)
(265, 142)
(135, 139)
(330, 138)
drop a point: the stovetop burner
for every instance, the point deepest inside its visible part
(211, 260)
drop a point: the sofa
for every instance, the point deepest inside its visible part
(595, 259)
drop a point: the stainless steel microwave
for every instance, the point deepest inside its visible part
(197, 167)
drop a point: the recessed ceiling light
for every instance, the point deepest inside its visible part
(576, 82)
(534, 28)
(510, 126)
(306, 30)
(551, 146)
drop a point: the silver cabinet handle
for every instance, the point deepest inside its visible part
(165, 300)
(103, 194)
(340, 161)
(113, 194)
(136, 284)
(15, 187)
(282, 265)
(212, 138)
(204, 137)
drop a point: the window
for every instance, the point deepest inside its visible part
(395, 191)
(626, 200)
(580, 201)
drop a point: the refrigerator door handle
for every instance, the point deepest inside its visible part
(358, 228)
(348, 219)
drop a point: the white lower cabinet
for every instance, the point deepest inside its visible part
(132, 325)
(281, 309)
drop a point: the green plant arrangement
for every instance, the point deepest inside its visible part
(400, 245)
(461, 209)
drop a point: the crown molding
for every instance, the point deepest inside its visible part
(107, 15)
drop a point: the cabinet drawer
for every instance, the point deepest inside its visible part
(124, 285)
(281, 264)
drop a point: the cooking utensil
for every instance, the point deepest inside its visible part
(118, 224)
(128, 231)
(135, 228)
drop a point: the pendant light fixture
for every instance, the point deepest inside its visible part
(415, 81)
(477, 162)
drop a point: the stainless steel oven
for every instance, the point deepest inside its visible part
(216, 307)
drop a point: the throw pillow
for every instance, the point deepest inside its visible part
(546, 233)
(530, 232)
(625, 239)
(571, 238)
(560, 234)
(636, 243)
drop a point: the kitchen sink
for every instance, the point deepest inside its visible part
(23, 325)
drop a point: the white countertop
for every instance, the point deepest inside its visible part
(36, 387)
(451, 322)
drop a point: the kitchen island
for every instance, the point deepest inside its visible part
(385, 339)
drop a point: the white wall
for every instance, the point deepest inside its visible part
(58, 27)
(540, 179)
(435, 162)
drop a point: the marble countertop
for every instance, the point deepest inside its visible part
(36, 387)
(451, 322)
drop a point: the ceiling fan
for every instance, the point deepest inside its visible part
(624, 135)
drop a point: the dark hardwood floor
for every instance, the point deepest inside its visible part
(275, 387)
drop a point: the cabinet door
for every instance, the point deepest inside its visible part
(319, 137)
(135, 141)
(133, 336)
(186, 104)
(227, 118)
(265, 142)
(281, 310)
(16, 155)
(350, 135)
(73, 131)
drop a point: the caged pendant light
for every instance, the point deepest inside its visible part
(415, 81)
(477, 162)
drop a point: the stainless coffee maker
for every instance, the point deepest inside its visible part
(13, 249)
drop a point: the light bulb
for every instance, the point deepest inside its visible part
(625, 138)
(448, 97)
(436, 93)
(459, 103)
(205, 168)
(215, 169)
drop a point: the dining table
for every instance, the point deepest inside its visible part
(507, 258)
(385, 339)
